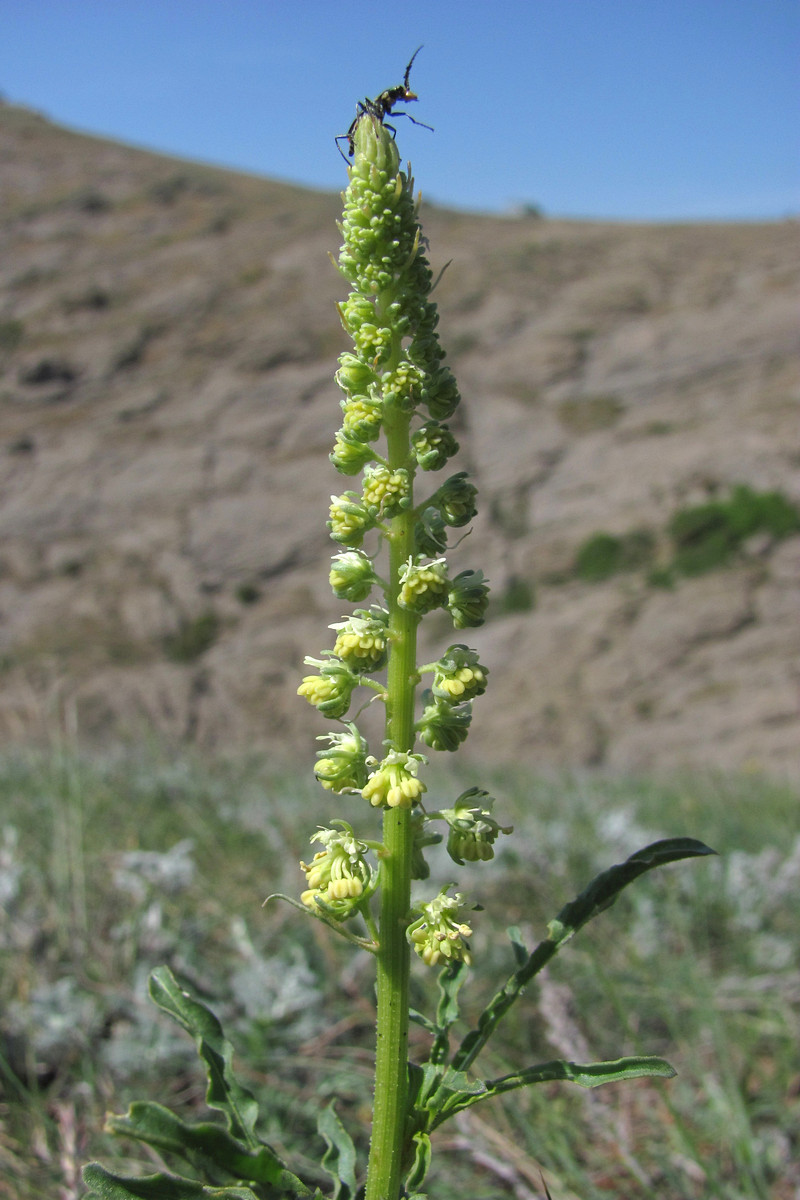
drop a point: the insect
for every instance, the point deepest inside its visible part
(379, 109)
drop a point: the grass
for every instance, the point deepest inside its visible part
(109, 868)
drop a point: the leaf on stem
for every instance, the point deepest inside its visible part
(450, 1100)
(106, 1186)
(339, 1160)
(224, 1091)
(603, 891)
(219, 1157)
(594, 899)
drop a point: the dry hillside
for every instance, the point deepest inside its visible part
(167, 342)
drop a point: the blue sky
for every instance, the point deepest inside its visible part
(629, 109)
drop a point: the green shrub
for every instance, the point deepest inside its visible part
(598, 558)
(708, 535)
(603, 554)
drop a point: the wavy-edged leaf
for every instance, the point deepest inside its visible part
(339, 1160)
(604, 889)
(422, 1161)
(586, 1075)
(107, 1186)
(216, 1154)
(224, 1091)
(596, 898)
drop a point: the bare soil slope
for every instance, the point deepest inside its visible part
(167, 342)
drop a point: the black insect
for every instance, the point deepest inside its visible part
(379, 109)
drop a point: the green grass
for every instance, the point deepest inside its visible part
(109, 868)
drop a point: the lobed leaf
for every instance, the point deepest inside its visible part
(107, 1186)
(210, 1149)
(339, 1160)
(224, 1092)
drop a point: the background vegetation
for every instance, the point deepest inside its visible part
(109, 868)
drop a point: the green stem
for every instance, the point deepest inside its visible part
(391, 1055)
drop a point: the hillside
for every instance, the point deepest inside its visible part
(167, 342)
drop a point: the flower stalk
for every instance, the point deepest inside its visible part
(397, 396)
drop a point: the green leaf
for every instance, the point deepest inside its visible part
(422, 1161)
(224, 1092)
(603, 891)
(586, 1075)
(339, 1160)
(598, 896)
(213, 1152)
(107, 1186)
(451, 980)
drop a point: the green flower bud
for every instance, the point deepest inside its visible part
(343, 766)
(437, 933)
(339, 878)
(473, 830)
(456, 500)
(349, 454)
(376, 153)
(442, 397)
(330, 691)
(363, 416)
(430, 533)
(468, 599)
(433, 444)
(355, 312)
(349, 519)
(394, 784)
(354, 376)
(351, 576)
(458, 675)
(403, 388)
(386, 492)
(444, 726)
(374, 341)
(362, 640)
(424, 586)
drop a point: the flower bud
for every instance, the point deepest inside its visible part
(442, 395)
(362, 640)
(444, 726)
(394, 784)
(343, 766)
(354, 375)
(363, 416)
(349, 519)
(433, 444)
(423, 586)
(458, 675)
(339, 878)
(430, 534)
(473, 830)
(455, 500)
(330, 691)
(351, 576)
(437, 933)
(349, 454)
(386, 492)
(468, 599)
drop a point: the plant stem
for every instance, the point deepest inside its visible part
(391, 1055)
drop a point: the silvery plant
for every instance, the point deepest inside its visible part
(367, 874)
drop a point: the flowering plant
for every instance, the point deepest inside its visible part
(393, 537)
